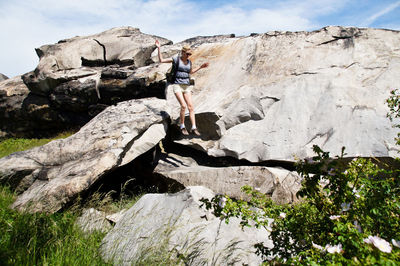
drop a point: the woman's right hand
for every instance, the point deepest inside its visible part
(157, 44)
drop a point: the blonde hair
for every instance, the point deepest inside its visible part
(186, 49)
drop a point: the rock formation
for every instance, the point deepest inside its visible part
(263, 102)
(277, 94)
(76, 79)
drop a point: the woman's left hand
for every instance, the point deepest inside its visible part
(204, 65)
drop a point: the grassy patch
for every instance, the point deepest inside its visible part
(11, 145)
(41, 239)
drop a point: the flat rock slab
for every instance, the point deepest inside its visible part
(51, 175)
(282, 185)
(176, 223)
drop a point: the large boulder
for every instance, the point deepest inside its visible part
(124, 46)
(12, 94)
(50, 176)
(24, 113)
(273, 96)
(176, 223)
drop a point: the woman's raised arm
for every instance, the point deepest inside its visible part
(160, 58)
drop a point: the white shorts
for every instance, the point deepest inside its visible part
(182, 88)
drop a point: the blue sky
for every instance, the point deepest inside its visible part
(28, 24)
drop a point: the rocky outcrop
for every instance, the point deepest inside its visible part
(275, 95)
(77, 78)
(83, 57)
(176, 223)
(265, 99)
(49, 177)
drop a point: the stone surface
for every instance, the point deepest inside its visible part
(84, 56)
(93, 220)
(122, 46)
(23, 113)
(169, 50)
(3, 77)
(118, 84)
(12, 94)
(282, 185)
(277, 94)
(115, 217)
(52, 175)
(175, 222)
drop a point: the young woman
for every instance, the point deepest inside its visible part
(181, 85)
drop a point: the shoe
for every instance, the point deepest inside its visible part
(184, 131)
(195, 132)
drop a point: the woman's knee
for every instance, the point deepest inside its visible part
(190, 107)
(183, 108)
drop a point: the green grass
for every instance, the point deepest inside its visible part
(11, 145)
(42, 239)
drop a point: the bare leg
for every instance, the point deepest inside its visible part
(182, 103)
(188, 99)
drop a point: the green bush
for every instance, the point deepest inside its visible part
(393, 103)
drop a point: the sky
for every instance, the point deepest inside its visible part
(28, 24)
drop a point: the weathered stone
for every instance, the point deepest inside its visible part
(43, 83)
(12, 94)
(326, 88)
(23, 113)
(115, 217)
(54, 174)
(122, 46)
(115, 73)
(75, 96)
(282, 185)
(3, 77)
(65, 84)
(112, 88)
(176, 223)
(169, 50)
(93, 220)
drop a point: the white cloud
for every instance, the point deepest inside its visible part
(235, 20)
(381, 13)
